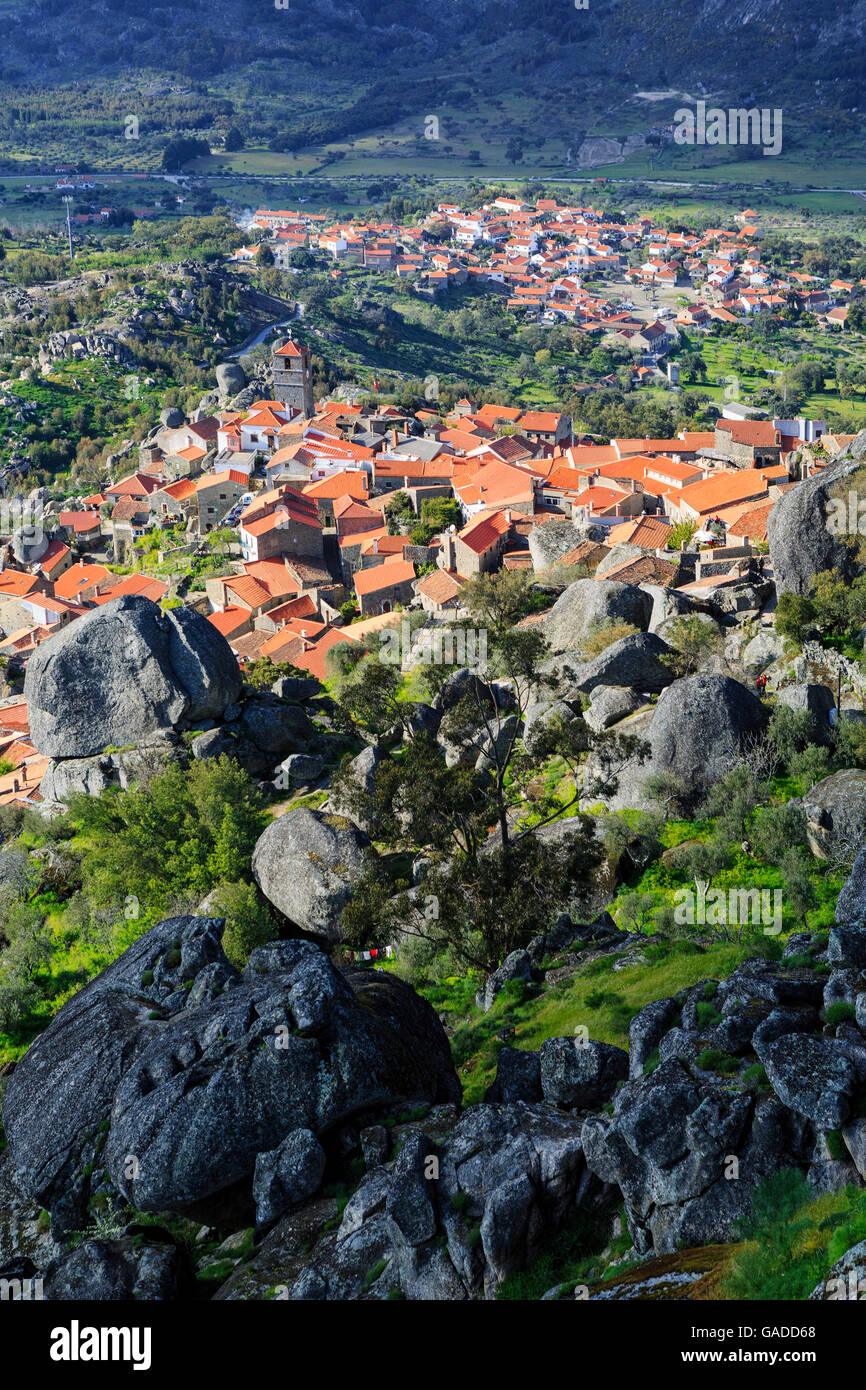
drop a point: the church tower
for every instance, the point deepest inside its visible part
(293, 377)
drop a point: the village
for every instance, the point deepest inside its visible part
(540, 258)
(336, 520)
(320, 519)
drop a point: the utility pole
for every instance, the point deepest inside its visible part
(68, 202)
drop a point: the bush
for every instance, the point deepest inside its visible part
(248, 920)
(707, 1014)
(603, 635)
(795, 614)
(755, 1077)
(714, 1060)
(840, 1012)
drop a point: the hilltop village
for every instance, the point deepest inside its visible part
(431, 827)
(329, 515)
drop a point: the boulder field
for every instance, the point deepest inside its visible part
(173, 1084)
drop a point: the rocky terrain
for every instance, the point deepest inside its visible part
(294, 1122)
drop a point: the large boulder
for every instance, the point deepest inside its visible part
(851, 902)
(516, 966)
(763, 649)
(123, 673)
(669, 604)
(579, 1074)
(636, 661)
(287, 1175)
(230, 379)
(131, 1269)
(846, 1280)
(835, 811)
(275, 726)
(809, 528)
(817, 700)
(68, 777)
(815, 1076)
(307, 864)
(507, 1177)
(699, 723)
(609, 704)
(589, 603)
(168, 1075)
(549, 542)
(360, 780)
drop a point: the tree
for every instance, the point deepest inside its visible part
(498, 601)
(680, 535)
(798, 888)
(670, 792)
(791, 731)
(695, 643)
(795, 615)
(635, 910)
(733, 800)
(263, 673)
(494, 875)
(173, 838)
(234, 139)
(248, 918)
(777, 830)
(440, 512)
(180, 149)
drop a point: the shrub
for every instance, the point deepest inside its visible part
(840, 1012)
(755, 1077)
(714, 1060)
(707, 1014)
(603, 635)
(248, 920)
(652, 1061)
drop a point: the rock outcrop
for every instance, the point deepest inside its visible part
(835, 811)
(810, 528)
(589, 603)
(699, 724)
(550, 542)
(164, 1079)
(124, 673)
(449, 1220)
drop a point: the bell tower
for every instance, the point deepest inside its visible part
(293, 377)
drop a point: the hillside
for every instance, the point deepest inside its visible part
(519, 84)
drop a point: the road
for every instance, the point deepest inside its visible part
(588, 178)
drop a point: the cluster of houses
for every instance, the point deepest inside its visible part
(315, 549)
(540, 257)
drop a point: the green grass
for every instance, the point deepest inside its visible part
(582, 1002)
(793, 1238)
